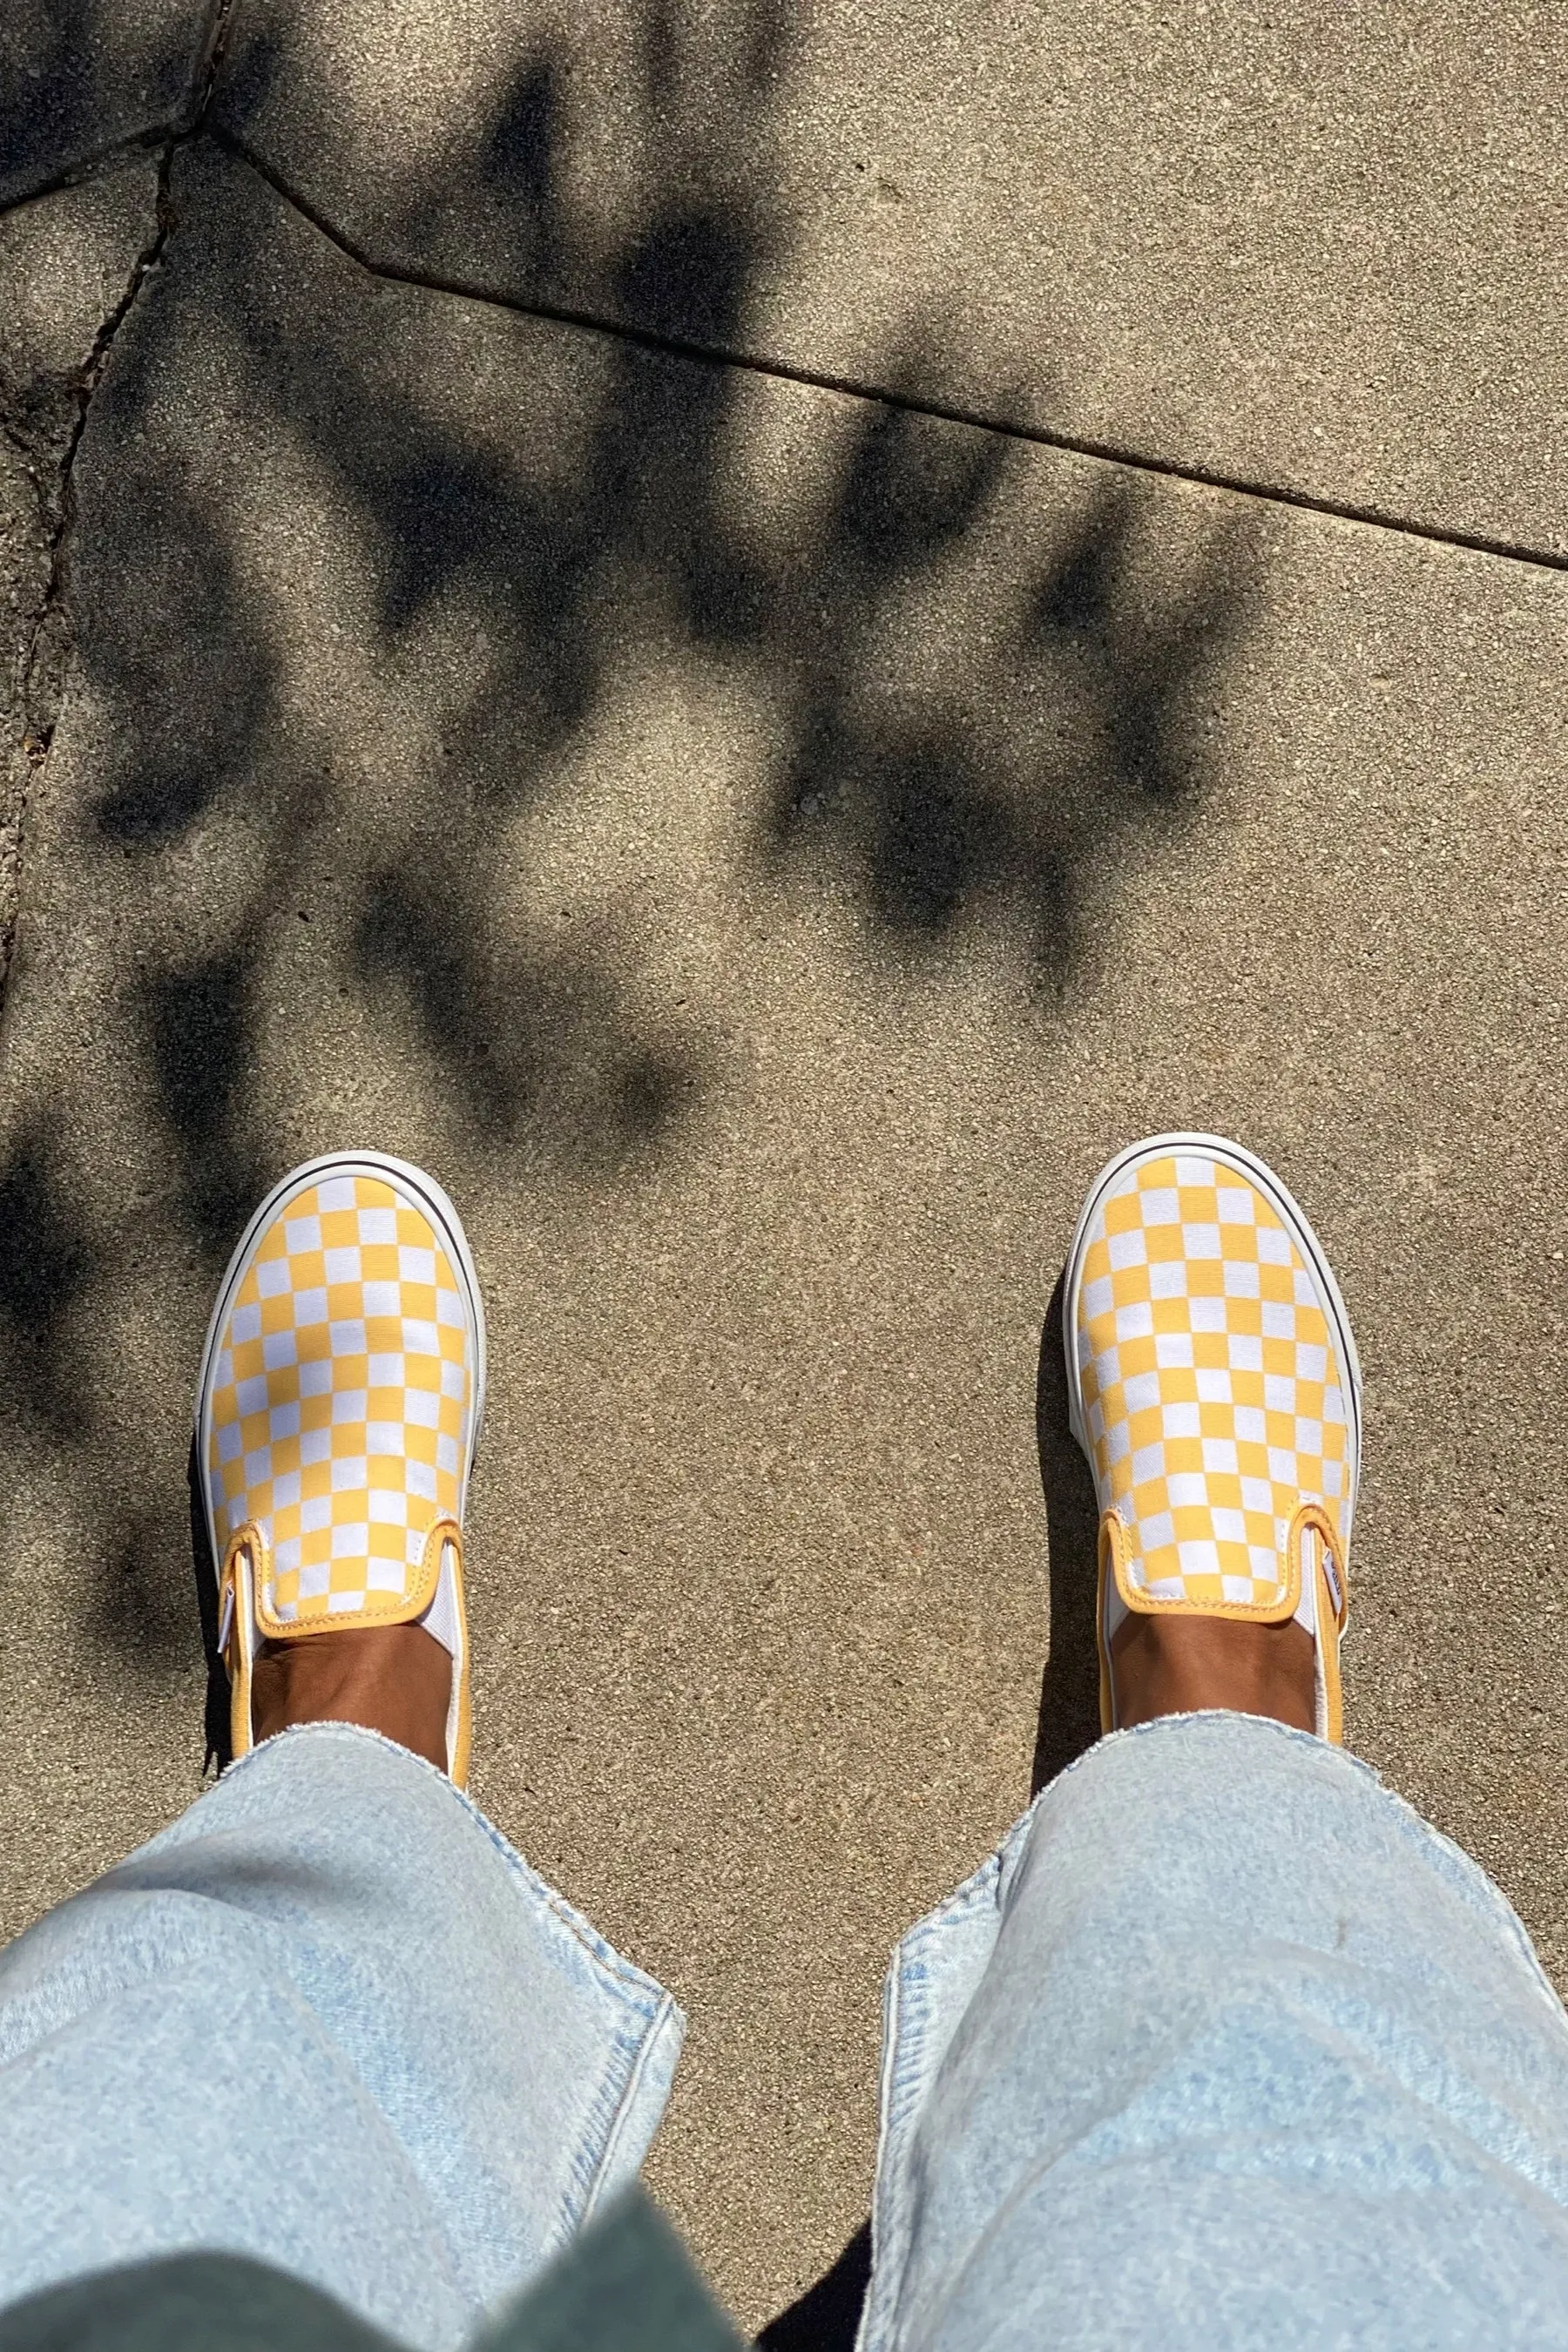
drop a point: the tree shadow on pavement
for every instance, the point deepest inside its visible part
(374, 585)
(980, 774)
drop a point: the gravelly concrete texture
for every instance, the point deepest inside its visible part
(66, 262)
(1309, 245)
(77, 77)
(761, 850)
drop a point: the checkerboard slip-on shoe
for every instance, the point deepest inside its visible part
(341, 1391)
(1213, 1384)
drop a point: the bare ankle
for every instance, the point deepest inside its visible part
(1175, 1665)
(394, 1679)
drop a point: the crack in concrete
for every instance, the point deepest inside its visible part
(43, 668)
(48, 655)
(209, 65)
(44, 664)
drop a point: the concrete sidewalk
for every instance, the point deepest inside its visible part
(762, 843)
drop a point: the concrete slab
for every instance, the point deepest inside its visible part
(1305, 246)
(763, 851)
(81, 77)
(65, 261)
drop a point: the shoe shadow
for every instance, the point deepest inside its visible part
(204, 1569)
(1070, 1686)
(826, 2316)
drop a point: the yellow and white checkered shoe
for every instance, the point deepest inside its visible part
(1213, 1384)
(341, 1391)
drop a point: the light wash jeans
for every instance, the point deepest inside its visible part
(1223, 2047)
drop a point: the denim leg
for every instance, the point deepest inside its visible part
(331, 2020)
(1225, 2047)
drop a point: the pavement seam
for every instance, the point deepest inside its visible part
(193, 125)
(84, 168)
(849, 387)
(184, 123)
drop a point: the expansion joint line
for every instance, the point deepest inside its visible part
(190, 123)
(715, 355)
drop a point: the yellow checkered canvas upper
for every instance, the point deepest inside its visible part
(1214, 1399)
(343, 1395)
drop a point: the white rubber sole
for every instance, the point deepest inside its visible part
(448, 1223)
(1257, 1172)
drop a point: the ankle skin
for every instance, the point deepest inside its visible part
(1178, 1666)
(394, 1679)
